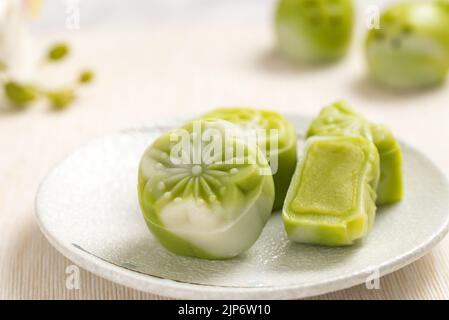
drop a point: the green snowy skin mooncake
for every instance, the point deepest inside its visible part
(338, 119)
(204, 193)
(284, 153)
(411, 48)
(331, 200)
(314, 31)
(390, 188)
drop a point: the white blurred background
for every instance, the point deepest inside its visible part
(107, 13)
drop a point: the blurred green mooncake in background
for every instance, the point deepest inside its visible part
(411, 48)
(314, 31)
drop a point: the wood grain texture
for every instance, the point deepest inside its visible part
(166, 72)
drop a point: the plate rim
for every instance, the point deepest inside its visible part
(183, 290)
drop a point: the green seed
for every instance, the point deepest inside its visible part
(86, 76)
(19, 94)
(58, 52)
(61, 99)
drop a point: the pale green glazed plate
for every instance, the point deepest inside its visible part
(88, 209)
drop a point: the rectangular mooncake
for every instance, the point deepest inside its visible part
(338, 119)
(332, 198)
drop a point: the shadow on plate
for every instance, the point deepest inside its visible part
(146, 256)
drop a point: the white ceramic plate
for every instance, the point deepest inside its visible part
(88, 209)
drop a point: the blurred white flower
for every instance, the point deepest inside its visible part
(16, 47)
